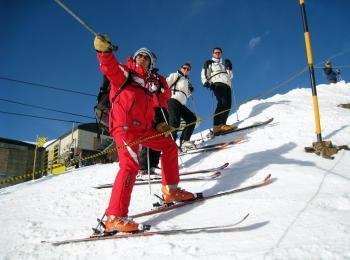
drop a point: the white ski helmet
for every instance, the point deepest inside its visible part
(150, 54)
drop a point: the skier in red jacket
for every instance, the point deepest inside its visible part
(132, 118)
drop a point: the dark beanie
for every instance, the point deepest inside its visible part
(187, 64)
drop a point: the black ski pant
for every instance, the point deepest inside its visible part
(153, 158)
(176, 112)
(223, 95)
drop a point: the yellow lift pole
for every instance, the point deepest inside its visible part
(311, 70)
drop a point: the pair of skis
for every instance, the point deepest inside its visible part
(157, 179)
(246, 127)
(222, 145)
(150, 233)
(239, 129)
(214, 147)
(168, 207)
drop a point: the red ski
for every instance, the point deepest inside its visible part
(200, 198)
(148, 233)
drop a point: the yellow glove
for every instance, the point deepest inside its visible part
(102, 43)
(164, 128)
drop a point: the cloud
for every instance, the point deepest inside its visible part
(254, 42)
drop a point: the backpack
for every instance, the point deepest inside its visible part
(102, 108)
(103, 105)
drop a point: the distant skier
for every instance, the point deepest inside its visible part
(181, 88)
(332, 75)
(217, 77)
(131, 119)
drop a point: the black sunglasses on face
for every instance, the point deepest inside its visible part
(144, 56)
(186, 68)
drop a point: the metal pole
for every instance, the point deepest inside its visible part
(235, 103)
(68, 10)
(81, 21)
(172, 137)
(149, 172)
(36, 147)
(196, 111)
(311, 70)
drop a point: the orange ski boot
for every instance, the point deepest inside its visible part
(225, 128)
(217, 129)
(121, 224)
(171, 193)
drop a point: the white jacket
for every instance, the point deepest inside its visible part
(216, 72)
(180, 91)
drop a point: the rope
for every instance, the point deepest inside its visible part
(294, 76)
(114, 149)
(336, 67)
(264, 93)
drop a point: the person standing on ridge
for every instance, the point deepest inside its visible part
(131, 119)
(181, 89)
(332, 75)
(217, 76)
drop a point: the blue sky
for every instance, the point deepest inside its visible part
(41, 43)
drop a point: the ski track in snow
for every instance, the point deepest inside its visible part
(303, 214)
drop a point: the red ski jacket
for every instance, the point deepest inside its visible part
(132, 108)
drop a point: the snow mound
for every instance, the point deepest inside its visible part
(303, 214)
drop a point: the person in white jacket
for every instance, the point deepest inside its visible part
(181, 89)
(217, 77)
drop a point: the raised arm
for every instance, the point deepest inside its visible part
(109, 65)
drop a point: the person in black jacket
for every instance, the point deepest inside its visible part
(181, 89)
(332, 75)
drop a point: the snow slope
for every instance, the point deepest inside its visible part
(303, 214)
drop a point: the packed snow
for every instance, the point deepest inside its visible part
(303, 214)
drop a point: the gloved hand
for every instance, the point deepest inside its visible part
(228, 64)
(102, 43)
(164, 128)
(209, 85)
(190, 87)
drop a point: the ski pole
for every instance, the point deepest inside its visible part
(235, 104)
(149, 172)
(172, 137)
(81, 21)
(196, 111)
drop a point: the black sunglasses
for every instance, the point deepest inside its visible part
(144, 56)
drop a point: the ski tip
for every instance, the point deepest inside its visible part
(267, 178)
(225, 165)
(215, 174)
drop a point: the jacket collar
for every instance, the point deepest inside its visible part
(181, 74)
(216, 60)
(131, 64)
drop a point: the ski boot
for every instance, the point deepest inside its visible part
(176, 194)
(116, 224)
(187, 145)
